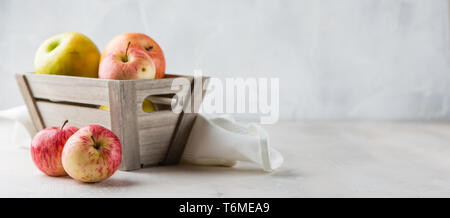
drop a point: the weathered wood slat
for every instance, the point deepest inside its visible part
(141, 95)
(153, 154)
(68, 88)
(30, 102)
(154, 142)
(162, 134)
(145, 88)
(157, 119)
(157, 83)
(156, 145)
(124, 122)
(151, 85)
(54, 114)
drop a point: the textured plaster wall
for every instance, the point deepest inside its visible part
(346, 59)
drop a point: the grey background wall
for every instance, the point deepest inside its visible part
(346, 59)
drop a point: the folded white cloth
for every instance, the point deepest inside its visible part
(214, 140)
(17, 120)
(220, 140)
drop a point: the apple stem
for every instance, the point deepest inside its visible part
(126, 51)
(65, 122)
(96, 146)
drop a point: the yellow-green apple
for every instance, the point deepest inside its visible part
(138, 41)
(47, 146)
(126, 64)
(92, 154)
(71, 54)
(148, 106)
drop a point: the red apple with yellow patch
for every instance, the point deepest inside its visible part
(138, 41)
(128, 64)
(47, 146)
(92, 154)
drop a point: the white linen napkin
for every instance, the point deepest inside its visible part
(220, 140)
(17, 127)
(214, 140)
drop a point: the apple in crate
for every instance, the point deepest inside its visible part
(138, 41)
(127, 64)
(71, 54)
(47, 146)
(92, 154)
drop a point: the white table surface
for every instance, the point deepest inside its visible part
(322, 159)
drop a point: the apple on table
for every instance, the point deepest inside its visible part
(92, 154)
(47, 146)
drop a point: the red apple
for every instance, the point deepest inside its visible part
(127, 64)
(92, 154)
(47, 146)
(138, 41)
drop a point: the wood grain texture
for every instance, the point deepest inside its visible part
(154, 143)
(54, 114)
(146, 88)
(124, 123)
(68, 88)
(155, 133)
(157, 119)
(161, 134)
(27, 95)
(153, 154)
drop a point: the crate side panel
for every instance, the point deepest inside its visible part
(68, 88)
(157, 119)
(153, 154)
(152, 135)
(54, 114)
(154, 142)
(155, 129)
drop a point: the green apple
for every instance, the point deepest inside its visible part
(71, 54)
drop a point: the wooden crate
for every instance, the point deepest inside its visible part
(147, 138)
